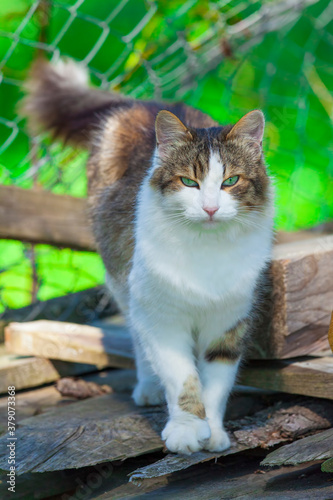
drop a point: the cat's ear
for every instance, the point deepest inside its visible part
(250, 128)
(170, 132)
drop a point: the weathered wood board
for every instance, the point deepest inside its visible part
(266, 428)
(317, 447)
(108, 346)
(86, 433)
(39, 216)
(26, 371)
(78, 307)
(111, 427)
(30, 403)
(305, 376)
(111, 345)
(239, 478)
(297, 312)
(39, 400)
(59, 485)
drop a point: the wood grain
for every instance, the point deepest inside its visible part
(86, 433)
(108, 346)
(317, 447)
(111, 427)
(26, 371)
(266, 428)
(305, 376)
(297, 310)
(78, 307)
(39, 216)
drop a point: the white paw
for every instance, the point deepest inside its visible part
(186, 435)
(219, 440)
(148, 392)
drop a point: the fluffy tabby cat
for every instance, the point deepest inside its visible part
(182, 214)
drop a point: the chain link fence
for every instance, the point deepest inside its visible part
(224, 57)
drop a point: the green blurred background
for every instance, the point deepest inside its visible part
(224, 57)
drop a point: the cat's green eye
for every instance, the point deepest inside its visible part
(188, 182)
(231, 181)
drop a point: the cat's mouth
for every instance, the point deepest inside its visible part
(211, 222)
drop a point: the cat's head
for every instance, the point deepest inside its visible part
(210, 176)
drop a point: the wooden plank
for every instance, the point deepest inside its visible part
(39, 400)
(308, 377)
(30, 403)
(274, 425)
(239, 478)
(324, 229)
(111, 427)
(297, 311)
(111, 345)
(60, 485)
(317, 447)
(78, 307)
(39, 216)
(283, 237)
(24, 371)
(108, 346)
(86, 433)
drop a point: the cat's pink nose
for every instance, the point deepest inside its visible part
(211, 210)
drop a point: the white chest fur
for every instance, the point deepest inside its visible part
(198, 267)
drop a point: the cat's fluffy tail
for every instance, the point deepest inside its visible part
(59, 99)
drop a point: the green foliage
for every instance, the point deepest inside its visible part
(168, 49)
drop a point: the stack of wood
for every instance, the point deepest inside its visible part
(291, 355)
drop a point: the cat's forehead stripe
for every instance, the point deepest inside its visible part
(216, 167)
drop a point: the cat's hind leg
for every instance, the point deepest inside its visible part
(148, 390)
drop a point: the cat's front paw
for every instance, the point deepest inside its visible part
(218, 441)
(148, 392)
(186, 435)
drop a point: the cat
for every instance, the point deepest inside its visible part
(182, 213)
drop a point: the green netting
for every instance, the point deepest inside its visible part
(224, 57)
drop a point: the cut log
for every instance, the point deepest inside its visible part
(110, 346)
(39, 216)
(297, 312)
(317, 447)
(308, 377)
(111, 427)
(25, 371)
